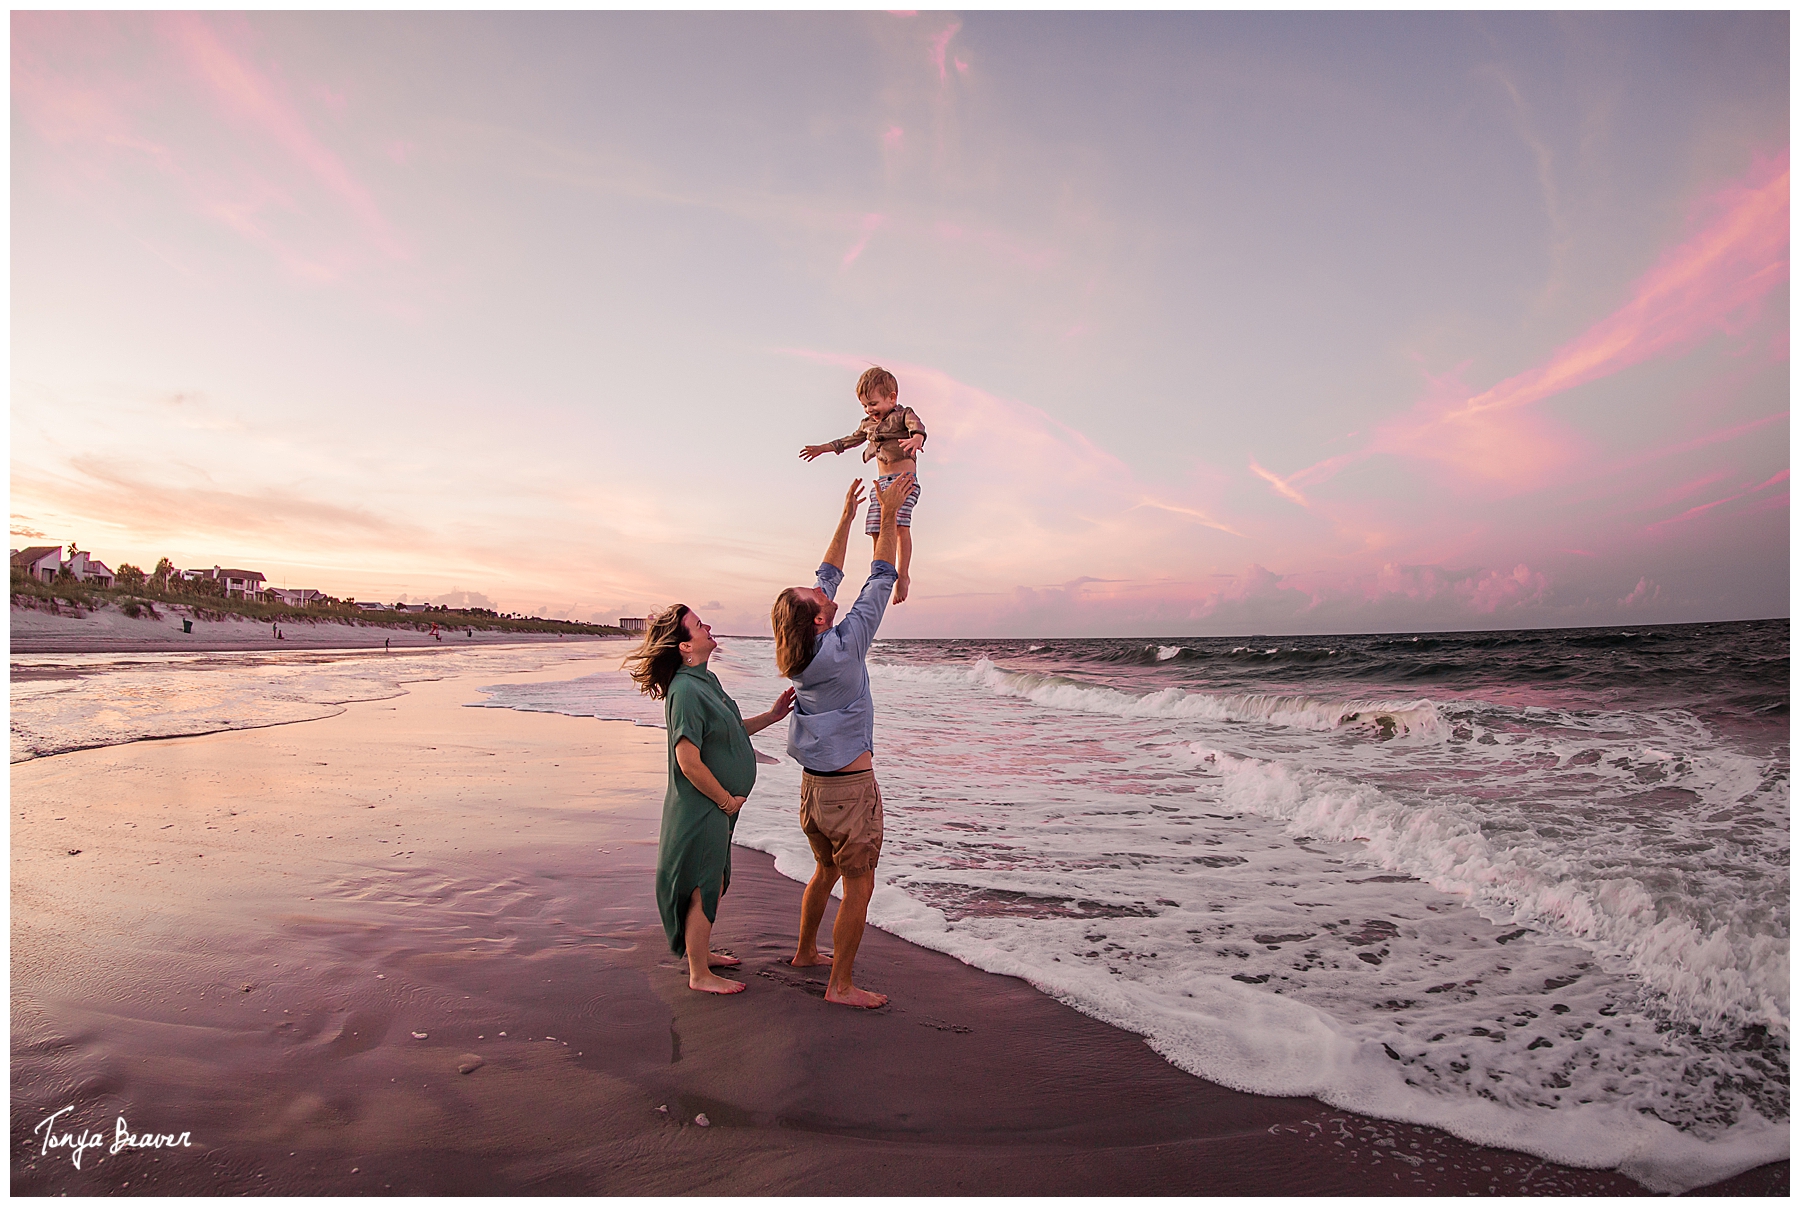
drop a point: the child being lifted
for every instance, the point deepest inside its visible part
(895, 435)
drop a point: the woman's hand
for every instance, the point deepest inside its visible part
(737, 802)
(784, 704)
(814, 450)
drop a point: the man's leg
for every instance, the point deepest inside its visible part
(846, 936)
(812, 912)
(699, 947)
(903, 584)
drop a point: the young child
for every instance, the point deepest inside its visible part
(895, 435)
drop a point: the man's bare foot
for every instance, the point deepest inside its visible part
(864, 998)
(721, 959)
(715, 984)
(902, 585)
(810, 959)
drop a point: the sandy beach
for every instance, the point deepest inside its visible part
(413, 948)
(109, 630)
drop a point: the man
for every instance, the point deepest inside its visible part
(832, 736)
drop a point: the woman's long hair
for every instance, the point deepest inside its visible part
(793, 618)
(653, 664)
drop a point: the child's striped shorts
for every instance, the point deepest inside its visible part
(872, 525)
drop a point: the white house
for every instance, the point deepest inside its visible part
(634, 624)
(40, 561)
(90, 569)
(238, 584)
(296, 597)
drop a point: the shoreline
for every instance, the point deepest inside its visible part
(411, 868)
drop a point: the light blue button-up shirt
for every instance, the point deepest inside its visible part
(833, 721)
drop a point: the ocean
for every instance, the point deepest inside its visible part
(1529, 887)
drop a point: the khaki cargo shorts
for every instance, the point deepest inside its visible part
(841, 817)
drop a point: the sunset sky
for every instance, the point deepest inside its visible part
(1220, 323)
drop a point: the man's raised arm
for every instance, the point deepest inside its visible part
(857, 629)
(887, 543)
(840, 540)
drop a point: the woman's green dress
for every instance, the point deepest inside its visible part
(694, 848)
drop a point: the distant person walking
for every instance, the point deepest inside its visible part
(712, 769)
(832, 736)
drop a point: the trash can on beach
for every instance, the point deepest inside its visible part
(187, 626)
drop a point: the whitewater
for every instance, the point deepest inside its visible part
(1528, 888)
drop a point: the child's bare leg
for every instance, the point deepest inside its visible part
(904, 583)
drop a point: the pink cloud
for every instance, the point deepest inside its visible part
(1691, 512)
(1714, 281)
(1646, 592)
(939, 44)
(1705, 285)
(249, 99)
(1281, 486)
(101, 92)
(891, 137)
(870, 224)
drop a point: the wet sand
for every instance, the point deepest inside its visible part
(286, 943)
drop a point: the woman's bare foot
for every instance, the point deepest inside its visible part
(715, 984)
(721, 959)
(864, 998)
(902, 585)
(810, 959)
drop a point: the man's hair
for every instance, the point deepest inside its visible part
(877, 380)
(796, 638)
(653, 664)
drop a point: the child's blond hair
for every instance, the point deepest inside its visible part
(877, 379)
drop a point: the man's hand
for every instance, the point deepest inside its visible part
(853, 498)
(894, 493)
(737, 802)
(912, 444)
(814, 450)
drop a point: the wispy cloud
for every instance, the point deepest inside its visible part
(1703, 508)
(247, 98)
(1704, 286)
(1711, 282)
(870, 224)
(98, 91)
(940, 43)
(1281, 486)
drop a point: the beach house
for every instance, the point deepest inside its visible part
(90, 569)
(296, 597)
(238, 584)
(634, 624)
(40, 561)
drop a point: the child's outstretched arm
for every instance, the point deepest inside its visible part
(836, 446)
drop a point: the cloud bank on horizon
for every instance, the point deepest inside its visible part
(1220, 323)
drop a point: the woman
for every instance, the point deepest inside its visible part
(833, 738)
(711, 771)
